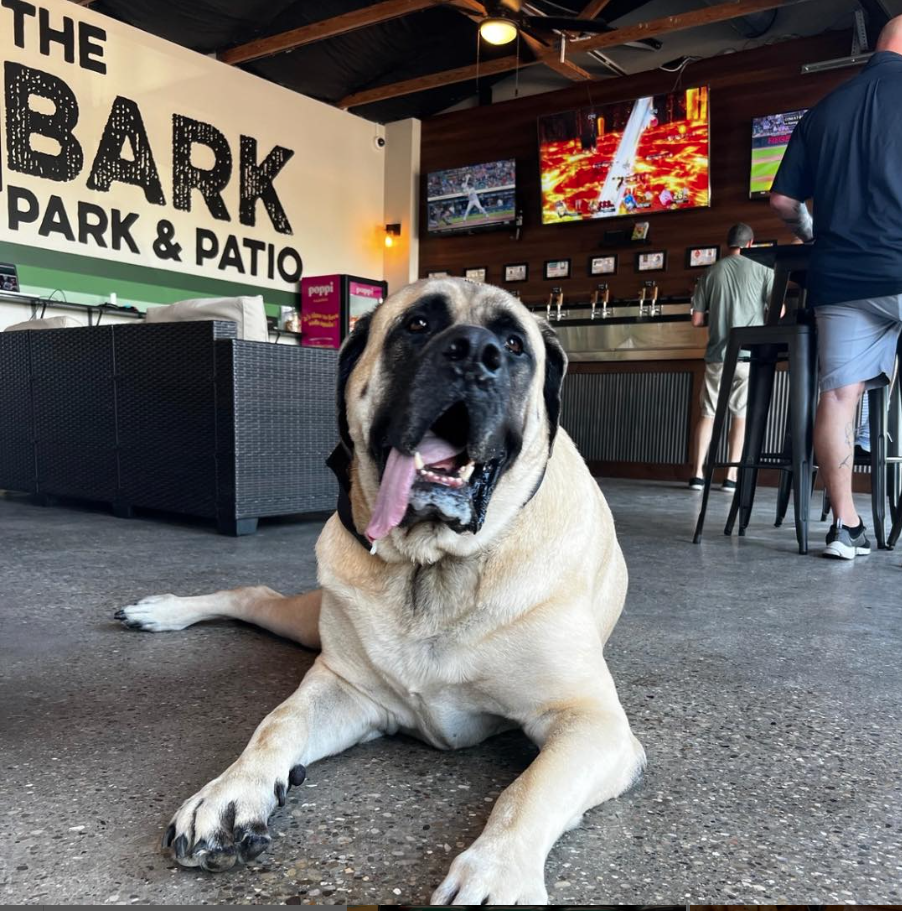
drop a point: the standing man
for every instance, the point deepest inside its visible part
(472, 198)
(733, 292)
(846, 155)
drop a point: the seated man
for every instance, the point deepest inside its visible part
(732, 292)
(845, 155)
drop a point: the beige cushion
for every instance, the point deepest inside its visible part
(51, 322)
(247, 312)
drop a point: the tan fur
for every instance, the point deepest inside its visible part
(455, 637)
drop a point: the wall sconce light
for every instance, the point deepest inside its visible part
(391, 232)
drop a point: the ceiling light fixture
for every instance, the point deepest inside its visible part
(497, 30)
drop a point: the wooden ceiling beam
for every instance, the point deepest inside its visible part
(592, 9)
(433, 81)
(722, 12)
(551, 57)
(320, 31)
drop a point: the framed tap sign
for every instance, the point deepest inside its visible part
(557, 269)
(654, 261)
(702, 257)
(516, 272)
(603, 265)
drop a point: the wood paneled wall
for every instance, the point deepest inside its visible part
(743, 85)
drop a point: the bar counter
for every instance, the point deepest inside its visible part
(631, 397)
(623, 335)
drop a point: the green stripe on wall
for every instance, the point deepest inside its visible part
(137, 285)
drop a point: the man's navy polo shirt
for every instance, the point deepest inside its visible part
(846, 154)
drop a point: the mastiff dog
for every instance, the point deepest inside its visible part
(470, 578)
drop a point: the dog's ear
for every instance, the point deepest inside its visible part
(351, 350)
(555, 368)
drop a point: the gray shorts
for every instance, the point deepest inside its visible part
(857, 341)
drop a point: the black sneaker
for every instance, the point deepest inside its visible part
(842, 544)
(696, 483)
(728, 486)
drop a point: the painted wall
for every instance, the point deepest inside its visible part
(124, 122)
(402, 182)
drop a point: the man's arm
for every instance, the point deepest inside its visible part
(699, 307)
(795, 216)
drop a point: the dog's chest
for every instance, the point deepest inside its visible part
(426, 659)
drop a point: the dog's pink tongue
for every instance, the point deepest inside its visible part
(397, 480)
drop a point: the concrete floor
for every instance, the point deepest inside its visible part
(765, 687)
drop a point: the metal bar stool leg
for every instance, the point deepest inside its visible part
(893, 450)
(802, 383)
(877, 421)
(761, 388)
(895, 532)
(784, 489)
(720, 418)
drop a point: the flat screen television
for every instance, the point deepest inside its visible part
(626, 158)
(770, 137)
(475, 198)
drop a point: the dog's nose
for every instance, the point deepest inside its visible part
(474, 347)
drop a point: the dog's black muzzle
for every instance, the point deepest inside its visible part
(460, 389)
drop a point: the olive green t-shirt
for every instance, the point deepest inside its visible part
(733, 292)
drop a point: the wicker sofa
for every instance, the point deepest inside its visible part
(180, 417)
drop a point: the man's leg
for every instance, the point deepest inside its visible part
(739, 398)
(856, 344)
(737, 438)
(703, 430)
(705, 426)
(834, 444)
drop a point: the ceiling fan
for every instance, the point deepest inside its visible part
(505, 18)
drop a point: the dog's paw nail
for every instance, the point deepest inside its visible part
(169, 836)
(180, 848)
(251, 841)
(220, 860)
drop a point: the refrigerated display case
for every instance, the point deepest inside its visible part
(332, 304)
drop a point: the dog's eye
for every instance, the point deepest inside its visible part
(417, 324)
(514, 343)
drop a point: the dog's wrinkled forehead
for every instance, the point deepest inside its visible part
(464, 301)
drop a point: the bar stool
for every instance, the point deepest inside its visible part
(791, 340)
(884, 460)
(895, 531)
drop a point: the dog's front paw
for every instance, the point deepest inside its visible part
(225, 821)
(158, 614)
(492, 873)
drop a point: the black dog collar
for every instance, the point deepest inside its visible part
(340, 463)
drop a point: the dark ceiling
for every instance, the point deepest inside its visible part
(440, 38)
(424, 42)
